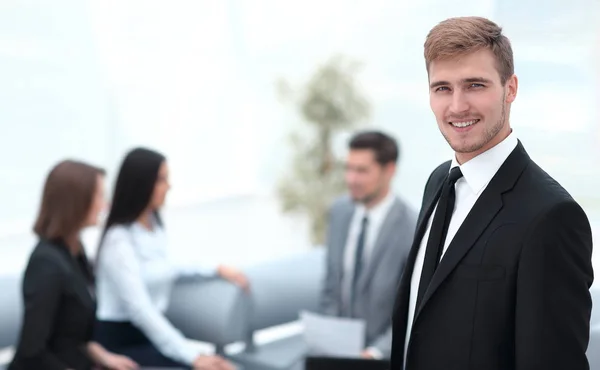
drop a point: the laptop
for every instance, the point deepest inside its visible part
(335, 363)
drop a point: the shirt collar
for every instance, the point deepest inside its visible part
(380, 209)
(479, 171)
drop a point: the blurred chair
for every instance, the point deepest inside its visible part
(280, 290)
(219, 313)
(212, 311)
(11, 307)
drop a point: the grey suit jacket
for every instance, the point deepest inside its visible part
(381, 276)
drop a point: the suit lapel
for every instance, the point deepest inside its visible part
(345, 219)
(481, 215)
(400, 312)
(79, 283)
(81, 287)
(382, 242)
(424, 215)
(422, 226)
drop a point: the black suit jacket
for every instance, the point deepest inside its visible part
(59, 311)
(512, 290)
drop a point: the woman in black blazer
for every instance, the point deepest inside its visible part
(58, 285)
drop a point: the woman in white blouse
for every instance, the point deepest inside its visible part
(135, 276)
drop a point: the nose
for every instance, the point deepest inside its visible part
(459, 102)
(350, 177)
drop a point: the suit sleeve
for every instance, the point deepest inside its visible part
(553, 303)
(42, 289)
(381, 347)
(328, 301)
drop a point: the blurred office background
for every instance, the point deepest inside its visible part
(197, 80)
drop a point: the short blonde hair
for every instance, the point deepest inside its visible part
(455, 37)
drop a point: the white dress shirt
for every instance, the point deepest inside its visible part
(477, 173)
(134, 281)
(376, 216)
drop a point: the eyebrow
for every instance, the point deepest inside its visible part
(464, 81)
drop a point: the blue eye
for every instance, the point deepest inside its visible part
(440, 88)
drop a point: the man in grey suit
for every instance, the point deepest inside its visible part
(368, 239)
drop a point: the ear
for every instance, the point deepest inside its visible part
(390, 170)
(511, 86)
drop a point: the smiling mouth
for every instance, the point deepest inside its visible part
(462, 124)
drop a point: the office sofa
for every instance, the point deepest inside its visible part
(11, 307)
(220, 313)
(216, 312)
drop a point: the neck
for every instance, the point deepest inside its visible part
(72, 243)
(377, 199)
(463, 158)
(145, 220)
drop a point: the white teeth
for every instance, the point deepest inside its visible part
(464, 123)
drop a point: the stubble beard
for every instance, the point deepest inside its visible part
(490, 133)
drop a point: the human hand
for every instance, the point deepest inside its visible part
(367, 355)
(113, 361)
(212, 363)
(234, 276)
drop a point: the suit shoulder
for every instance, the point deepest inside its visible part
(440, 172)
(546, 197)
(544, 189)
(47, 259)
(49, 251)
(407, 209)
(406, 215)
(436, 177)
(45, 250)
(340, 203)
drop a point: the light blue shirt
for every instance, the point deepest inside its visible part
(134, 280)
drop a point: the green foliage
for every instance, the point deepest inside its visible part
(330, 103)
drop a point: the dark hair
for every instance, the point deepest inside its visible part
(385, 147)
(66, 200)
(134, 187)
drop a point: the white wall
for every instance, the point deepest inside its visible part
(195, 79)
(239, 231)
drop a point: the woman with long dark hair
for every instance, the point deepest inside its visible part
(58, 286)
(135, 276)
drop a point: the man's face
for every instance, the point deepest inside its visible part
(469, 102)
(365, 177)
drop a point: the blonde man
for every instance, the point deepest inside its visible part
(499, 273)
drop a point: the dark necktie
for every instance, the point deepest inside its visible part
(358, 260)
(438, 232)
